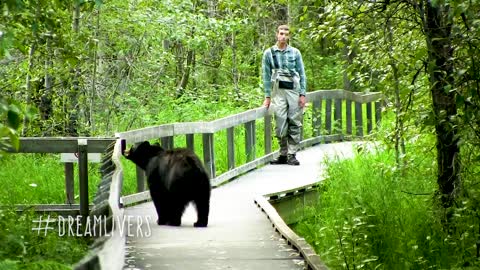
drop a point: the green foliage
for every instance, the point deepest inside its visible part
(372, 215)
(39, 179)
(23, 248)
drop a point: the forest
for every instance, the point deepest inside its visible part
(94, 67)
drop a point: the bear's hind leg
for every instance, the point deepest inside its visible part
(162, 211)
(203, 209)
(176, 212)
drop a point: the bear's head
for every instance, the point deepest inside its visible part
(142, 153)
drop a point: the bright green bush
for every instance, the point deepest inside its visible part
(371, 215)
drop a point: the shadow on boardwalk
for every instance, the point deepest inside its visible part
(239, 235)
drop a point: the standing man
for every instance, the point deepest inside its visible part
(284, 83)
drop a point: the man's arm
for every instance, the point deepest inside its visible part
(267, 73)
(301, 72)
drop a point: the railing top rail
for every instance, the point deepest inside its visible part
(155, 132)
(61, 144)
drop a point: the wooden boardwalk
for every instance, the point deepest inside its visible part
(239, 235)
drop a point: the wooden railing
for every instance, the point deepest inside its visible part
(81, 147)
(328, 122)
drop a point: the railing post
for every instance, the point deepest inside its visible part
(338, 117)
(231, 147)
(378, 113)
(69, 183)
(359, 119)
(190, 141)
(250, 140)
(167, 142)
(328, 116)
(141, 178)
(369, 118)
(348, 112)
(267, 133)
(83, 177)
(317, 117)
(209, 154)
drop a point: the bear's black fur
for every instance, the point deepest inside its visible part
(175, 178)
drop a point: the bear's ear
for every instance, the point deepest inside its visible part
(145, 143)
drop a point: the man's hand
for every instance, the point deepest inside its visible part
(266, 102)
(302, 101)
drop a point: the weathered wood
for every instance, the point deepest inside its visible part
(267, 133)
(227, 176)
(369, 118)
(317, 117)
(69, 183)
(378, 113)
(231, 147)
(250, 140)
(61, 144)
(83, 177)
(209, 154)
(190, 138)
(342, 94)
(238, 119)
(167, 142)
(306, 251)
(146, 134)
(348, 112)
(338, 117)
(359, 118)
(328, 116)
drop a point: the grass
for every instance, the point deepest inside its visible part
(371, 215)
(39, 179)
(23, 248)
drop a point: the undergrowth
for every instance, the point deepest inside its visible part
(372, 215)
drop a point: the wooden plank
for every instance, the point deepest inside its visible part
(369, 118)
(141, 179)
(167, 142)
(61, 144)
(225, 177)
(306, 251)
(238, 119)
(190, 138)
(359, 119)
(231, 147)
(69, 184)
(267, 133)
(317, 117)
(250, 140)
(209, 154)
(338, 117)
(328, 116)
(348, 112)
(378, 113)
(342, 94)
(146, 134)
(83, 177)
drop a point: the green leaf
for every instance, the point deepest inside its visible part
(13, 117)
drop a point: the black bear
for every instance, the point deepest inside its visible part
(175, 178)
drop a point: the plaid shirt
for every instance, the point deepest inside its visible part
(290, 59)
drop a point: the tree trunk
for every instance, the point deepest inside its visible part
(186, 73)
(440, 66)
(399, 126)
(72, 107)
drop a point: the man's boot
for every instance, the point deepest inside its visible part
(279, 160)
(292, 160)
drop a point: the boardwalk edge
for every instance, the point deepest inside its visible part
(306, 251)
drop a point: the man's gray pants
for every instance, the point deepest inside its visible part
(288, 120)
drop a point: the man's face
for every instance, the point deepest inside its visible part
(282, 36)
